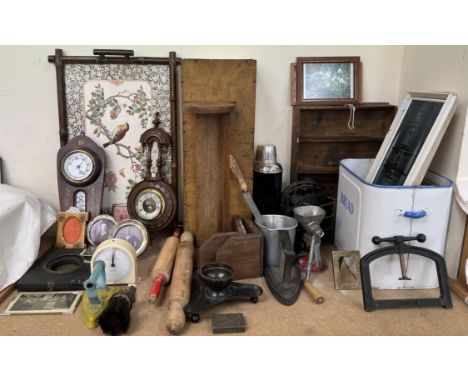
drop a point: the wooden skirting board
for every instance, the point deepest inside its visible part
(219, 118)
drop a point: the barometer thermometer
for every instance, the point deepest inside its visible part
(80, 173)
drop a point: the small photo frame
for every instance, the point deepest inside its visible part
(347, 275)
(120, 212)
(44, 303)
(132, 231)
(99, 229)
(328, 80)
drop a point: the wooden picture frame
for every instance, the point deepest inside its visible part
(409, 167)
(328, 80)
(71, 229)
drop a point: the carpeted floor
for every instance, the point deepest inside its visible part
(341, 314)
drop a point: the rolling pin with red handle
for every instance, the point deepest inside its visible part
(162, 269)
(179, 292)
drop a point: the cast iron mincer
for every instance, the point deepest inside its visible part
(212, 285)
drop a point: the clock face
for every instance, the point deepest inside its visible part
(118, 264)
(78, 166)
(149, 204)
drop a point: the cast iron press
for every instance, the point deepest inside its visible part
(212, 285)
(400, 248)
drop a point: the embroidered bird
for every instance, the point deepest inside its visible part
(118, 134)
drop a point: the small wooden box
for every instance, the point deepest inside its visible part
(241, 249)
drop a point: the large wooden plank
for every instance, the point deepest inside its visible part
(217, 81)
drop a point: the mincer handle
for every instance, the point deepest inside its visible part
(179, 292)
(314, 293)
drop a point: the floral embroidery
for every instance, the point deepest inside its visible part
(76, 75)
(110, 181)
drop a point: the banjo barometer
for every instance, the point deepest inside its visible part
(153, 201)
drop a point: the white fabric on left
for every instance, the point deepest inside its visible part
(23, 219)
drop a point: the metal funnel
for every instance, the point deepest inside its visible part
(309, 214)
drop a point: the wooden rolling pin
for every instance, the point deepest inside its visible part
(179, 292)
(314, 293)
(162, 269)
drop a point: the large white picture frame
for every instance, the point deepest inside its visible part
(435, 134)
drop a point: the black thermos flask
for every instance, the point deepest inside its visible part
(267, 179)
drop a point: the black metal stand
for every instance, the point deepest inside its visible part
(401, 248)
(203, 297)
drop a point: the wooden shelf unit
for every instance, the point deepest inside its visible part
(321, 138)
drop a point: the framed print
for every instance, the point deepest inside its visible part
(113, 97)
(328, 80)
(44, 303)
(120, 212)
(413, 139)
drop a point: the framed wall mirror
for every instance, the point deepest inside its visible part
(413, 139)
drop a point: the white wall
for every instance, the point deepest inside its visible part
(443, 68)
(29, 137)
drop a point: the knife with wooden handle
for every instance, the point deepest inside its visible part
(245, 191)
